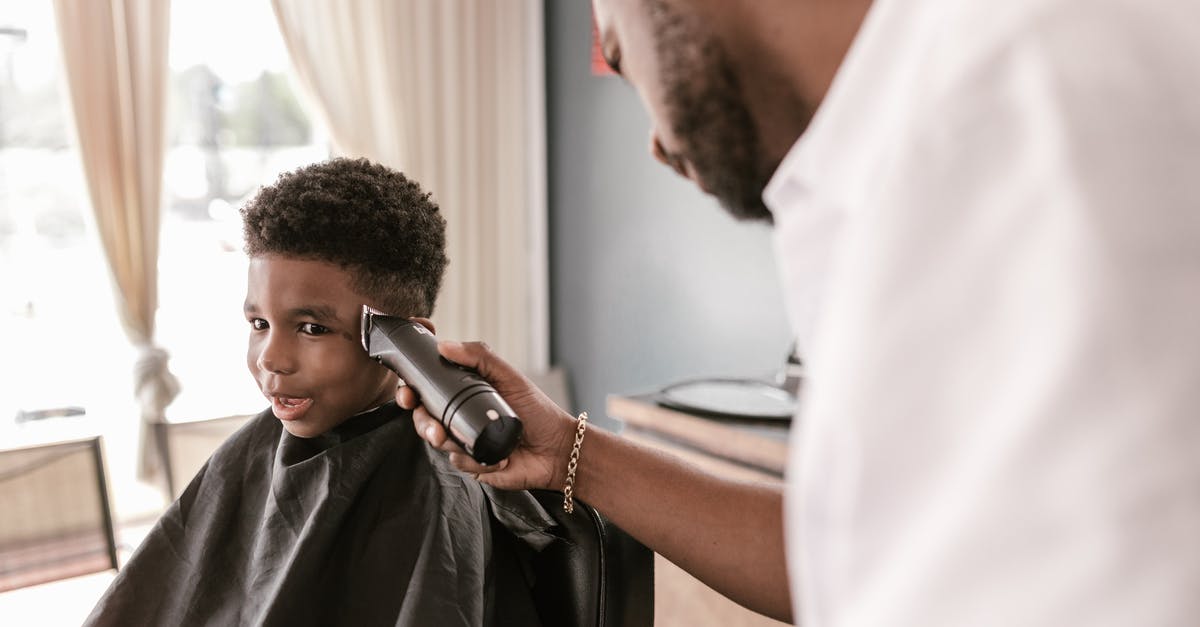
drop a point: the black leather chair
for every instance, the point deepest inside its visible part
(596, 575)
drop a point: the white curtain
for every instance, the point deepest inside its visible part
(450, 92)
(115, 52)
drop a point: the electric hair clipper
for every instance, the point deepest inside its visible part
(473, 413)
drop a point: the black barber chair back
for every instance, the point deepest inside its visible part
(596, 575)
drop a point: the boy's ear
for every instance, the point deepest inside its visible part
(425, 322)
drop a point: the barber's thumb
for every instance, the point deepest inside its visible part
(458, 352)
(477, 356)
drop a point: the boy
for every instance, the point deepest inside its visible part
(327, 508)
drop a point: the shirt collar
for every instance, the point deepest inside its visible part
(831, 161)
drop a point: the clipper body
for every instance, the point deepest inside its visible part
(473, 413)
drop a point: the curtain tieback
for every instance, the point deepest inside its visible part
(153, 382)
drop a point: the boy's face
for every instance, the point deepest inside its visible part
(305, 348)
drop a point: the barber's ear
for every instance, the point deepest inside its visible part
(425, 322)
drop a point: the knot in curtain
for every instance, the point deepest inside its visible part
(153, 383)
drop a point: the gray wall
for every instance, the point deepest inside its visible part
(650, 281)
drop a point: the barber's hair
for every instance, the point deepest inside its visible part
(370, 220)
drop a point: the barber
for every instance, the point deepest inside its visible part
(987, 219)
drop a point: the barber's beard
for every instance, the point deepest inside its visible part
(706, 112)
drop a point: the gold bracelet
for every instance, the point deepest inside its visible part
(573, 465)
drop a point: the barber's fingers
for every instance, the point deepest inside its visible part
(467, 464)
(407, 398)
(432, 431)
(475, 355)
(425, 322)
(427, 427)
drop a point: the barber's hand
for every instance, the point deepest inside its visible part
(540, 458)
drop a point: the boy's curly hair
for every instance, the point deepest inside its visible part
(374, 222)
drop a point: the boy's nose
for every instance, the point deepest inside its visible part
(274, 357)
(273, 366)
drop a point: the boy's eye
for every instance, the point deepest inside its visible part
(312, 328)
(258, 324)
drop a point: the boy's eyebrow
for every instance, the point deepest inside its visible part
(317, 312)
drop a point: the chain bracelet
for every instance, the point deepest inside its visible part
(573, 465)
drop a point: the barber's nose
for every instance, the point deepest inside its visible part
(668, 159)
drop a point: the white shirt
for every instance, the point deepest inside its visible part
(989, 240)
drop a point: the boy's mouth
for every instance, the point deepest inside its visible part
(289, 407)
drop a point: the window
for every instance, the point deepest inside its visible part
(235, 122)
(61, 332)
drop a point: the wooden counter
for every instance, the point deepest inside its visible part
(737, 449)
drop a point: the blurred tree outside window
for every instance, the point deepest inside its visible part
(235, 123)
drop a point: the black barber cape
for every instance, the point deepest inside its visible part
(364, 525)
